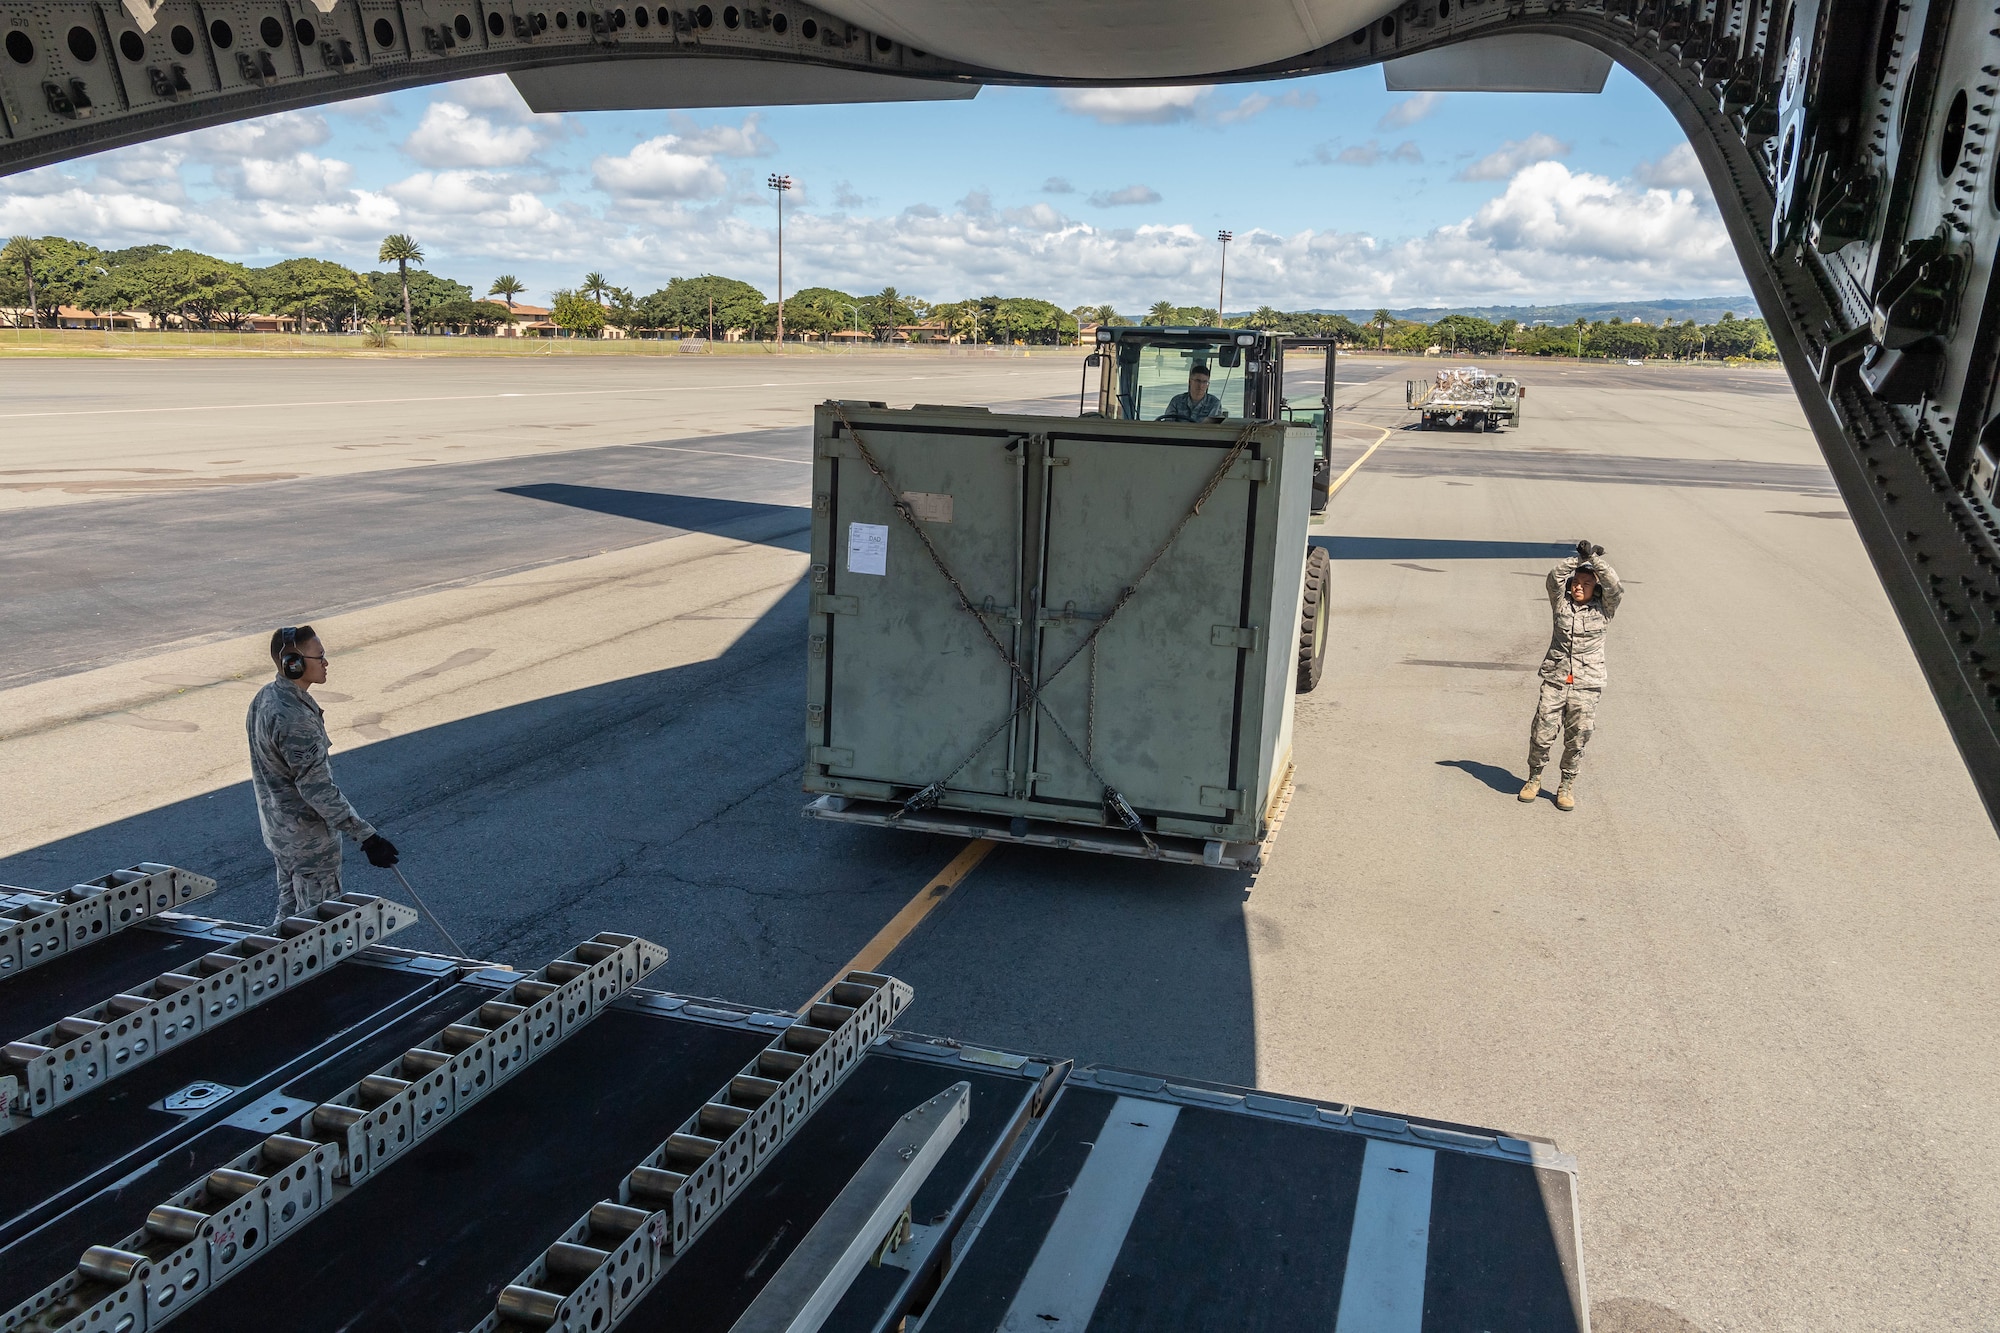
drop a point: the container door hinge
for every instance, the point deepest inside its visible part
(819, 645)
(833, 755)
(1234, 636)
(1252, 469)
(826, 604)
(1223, 798)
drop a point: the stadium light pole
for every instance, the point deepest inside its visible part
(781, 184)
(1222, 283)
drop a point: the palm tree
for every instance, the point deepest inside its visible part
(1381, 322)
(403, 251)
(507, 287)
(25, 250)
(595, 287)
(1581, 325)
(1163, 312)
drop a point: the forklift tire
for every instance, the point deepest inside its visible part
(1315, 618)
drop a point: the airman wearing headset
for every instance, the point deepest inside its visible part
(302, 813)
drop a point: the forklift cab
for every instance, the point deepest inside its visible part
(1142, 368)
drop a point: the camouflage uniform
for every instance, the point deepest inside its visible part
(302, 813)
(1573, 669)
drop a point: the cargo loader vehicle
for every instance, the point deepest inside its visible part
(1081, 632)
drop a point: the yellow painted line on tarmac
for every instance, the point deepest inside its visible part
(874, 953)
(1355, 466)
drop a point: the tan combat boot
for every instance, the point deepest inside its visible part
(1565, 799)
(1533, 788)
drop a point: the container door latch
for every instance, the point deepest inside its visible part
(1234, 636)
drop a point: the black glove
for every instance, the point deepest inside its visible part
(381, 853)
(1584, 550)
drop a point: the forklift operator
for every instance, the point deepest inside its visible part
(1197, 404)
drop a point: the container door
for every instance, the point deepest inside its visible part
(913, 685)
(1167, 667)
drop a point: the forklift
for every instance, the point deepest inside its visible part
(1141, 368)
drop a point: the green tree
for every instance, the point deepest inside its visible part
(317, 291)
(1162, 313)
(595, 287)
(507, 287)
(24, 252)
(1467, 333)
(402, 250)
(1382, 321)
(425, 290)
(1579, 324)
(1621, 341)
(180, 285)
(577, 315)
(1508, 328)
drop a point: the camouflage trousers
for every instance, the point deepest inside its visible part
(1569, 709)
(306, 881)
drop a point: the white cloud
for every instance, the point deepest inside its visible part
(1057, 185)
(846, 196)
(1675, 169)
(659, 169)
(1130, 195)
(268, 136)
(1168, 106)
(1512, 156)
(1409, 111)
(451, 136)
(745, 140)
(1132, 106)
(300, 176)
(1368, 154)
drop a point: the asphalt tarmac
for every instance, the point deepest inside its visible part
(1748, 982)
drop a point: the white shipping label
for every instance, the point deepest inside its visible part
(929, 506)
(867, 548)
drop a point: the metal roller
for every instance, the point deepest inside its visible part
(526, 1305)
(419, 1061)
(690, 1150)
(331, 1118)
(24, 1052)
(496, 1012)
(805, 1037)
(77, 1027)
(460, 1036)
(567, 1259)
(651, 1182)
(749, 1090)
(824, 1015)
(779, 1065)
(721, 1119)
(294, 926)
(533, 992)
(613, 938)
(218, 961)
(334, 909)
(260, 943)
(227, 1183)
(171, 1223)
(850, 994)
(284, 1149)
(379, 1088)
(615, 1219)
(102, 1263)
(563, 972)
(593, 952)
(169, 982)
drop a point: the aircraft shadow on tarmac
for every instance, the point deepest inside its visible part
(667, 803)
(691, 513)
(1437, 548)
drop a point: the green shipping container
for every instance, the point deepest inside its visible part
(962, 675)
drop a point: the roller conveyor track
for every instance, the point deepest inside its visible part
(697, 1146)
(88, 1049)
(38, 927)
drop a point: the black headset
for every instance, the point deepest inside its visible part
(291, 662)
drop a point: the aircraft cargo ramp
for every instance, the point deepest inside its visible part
(400, 1140)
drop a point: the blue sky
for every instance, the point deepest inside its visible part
(1340, 194)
